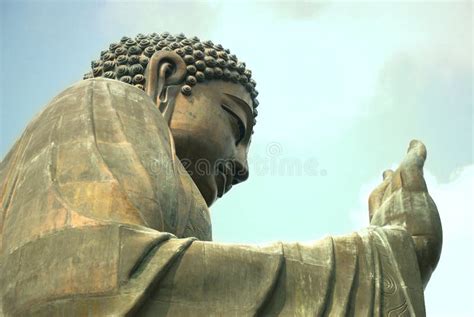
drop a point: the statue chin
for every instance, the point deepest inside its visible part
(208, 190)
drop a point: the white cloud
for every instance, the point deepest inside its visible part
(450, 291)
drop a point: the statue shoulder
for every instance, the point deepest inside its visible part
(102, 150)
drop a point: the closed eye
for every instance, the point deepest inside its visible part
(237, 122)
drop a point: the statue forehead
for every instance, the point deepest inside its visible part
(222, 88)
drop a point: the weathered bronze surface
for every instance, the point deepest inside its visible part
(104, 207)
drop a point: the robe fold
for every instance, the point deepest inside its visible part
(98, 217)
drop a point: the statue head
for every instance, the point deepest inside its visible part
(204, 92)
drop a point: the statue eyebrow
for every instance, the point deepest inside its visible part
(243, 104)
(238, 100)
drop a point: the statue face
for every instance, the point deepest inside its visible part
(211, 130)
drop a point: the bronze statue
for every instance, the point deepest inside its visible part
(104, 204)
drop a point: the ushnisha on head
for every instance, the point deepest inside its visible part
(127, 61)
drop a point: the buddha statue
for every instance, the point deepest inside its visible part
(105, 197)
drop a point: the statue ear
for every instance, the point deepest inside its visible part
(163, 74)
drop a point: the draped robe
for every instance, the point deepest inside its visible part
(98, 217)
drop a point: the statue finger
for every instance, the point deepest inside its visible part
(411, 169)
(376, 197)
(416, 154)
(387, 173)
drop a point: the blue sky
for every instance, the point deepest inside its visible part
(344, 86)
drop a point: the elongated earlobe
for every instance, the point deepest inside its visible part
(164, 73)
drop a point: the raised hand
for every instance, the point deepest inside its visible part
(402, 200)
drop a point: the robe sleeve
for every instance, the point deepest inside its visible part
(369, 273)
(123, 270)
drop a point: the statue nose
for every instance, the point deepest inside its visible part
(241, 172)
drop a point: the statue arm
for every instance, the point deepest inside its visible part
(118, 269)
(336, 276)
(403, 200)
